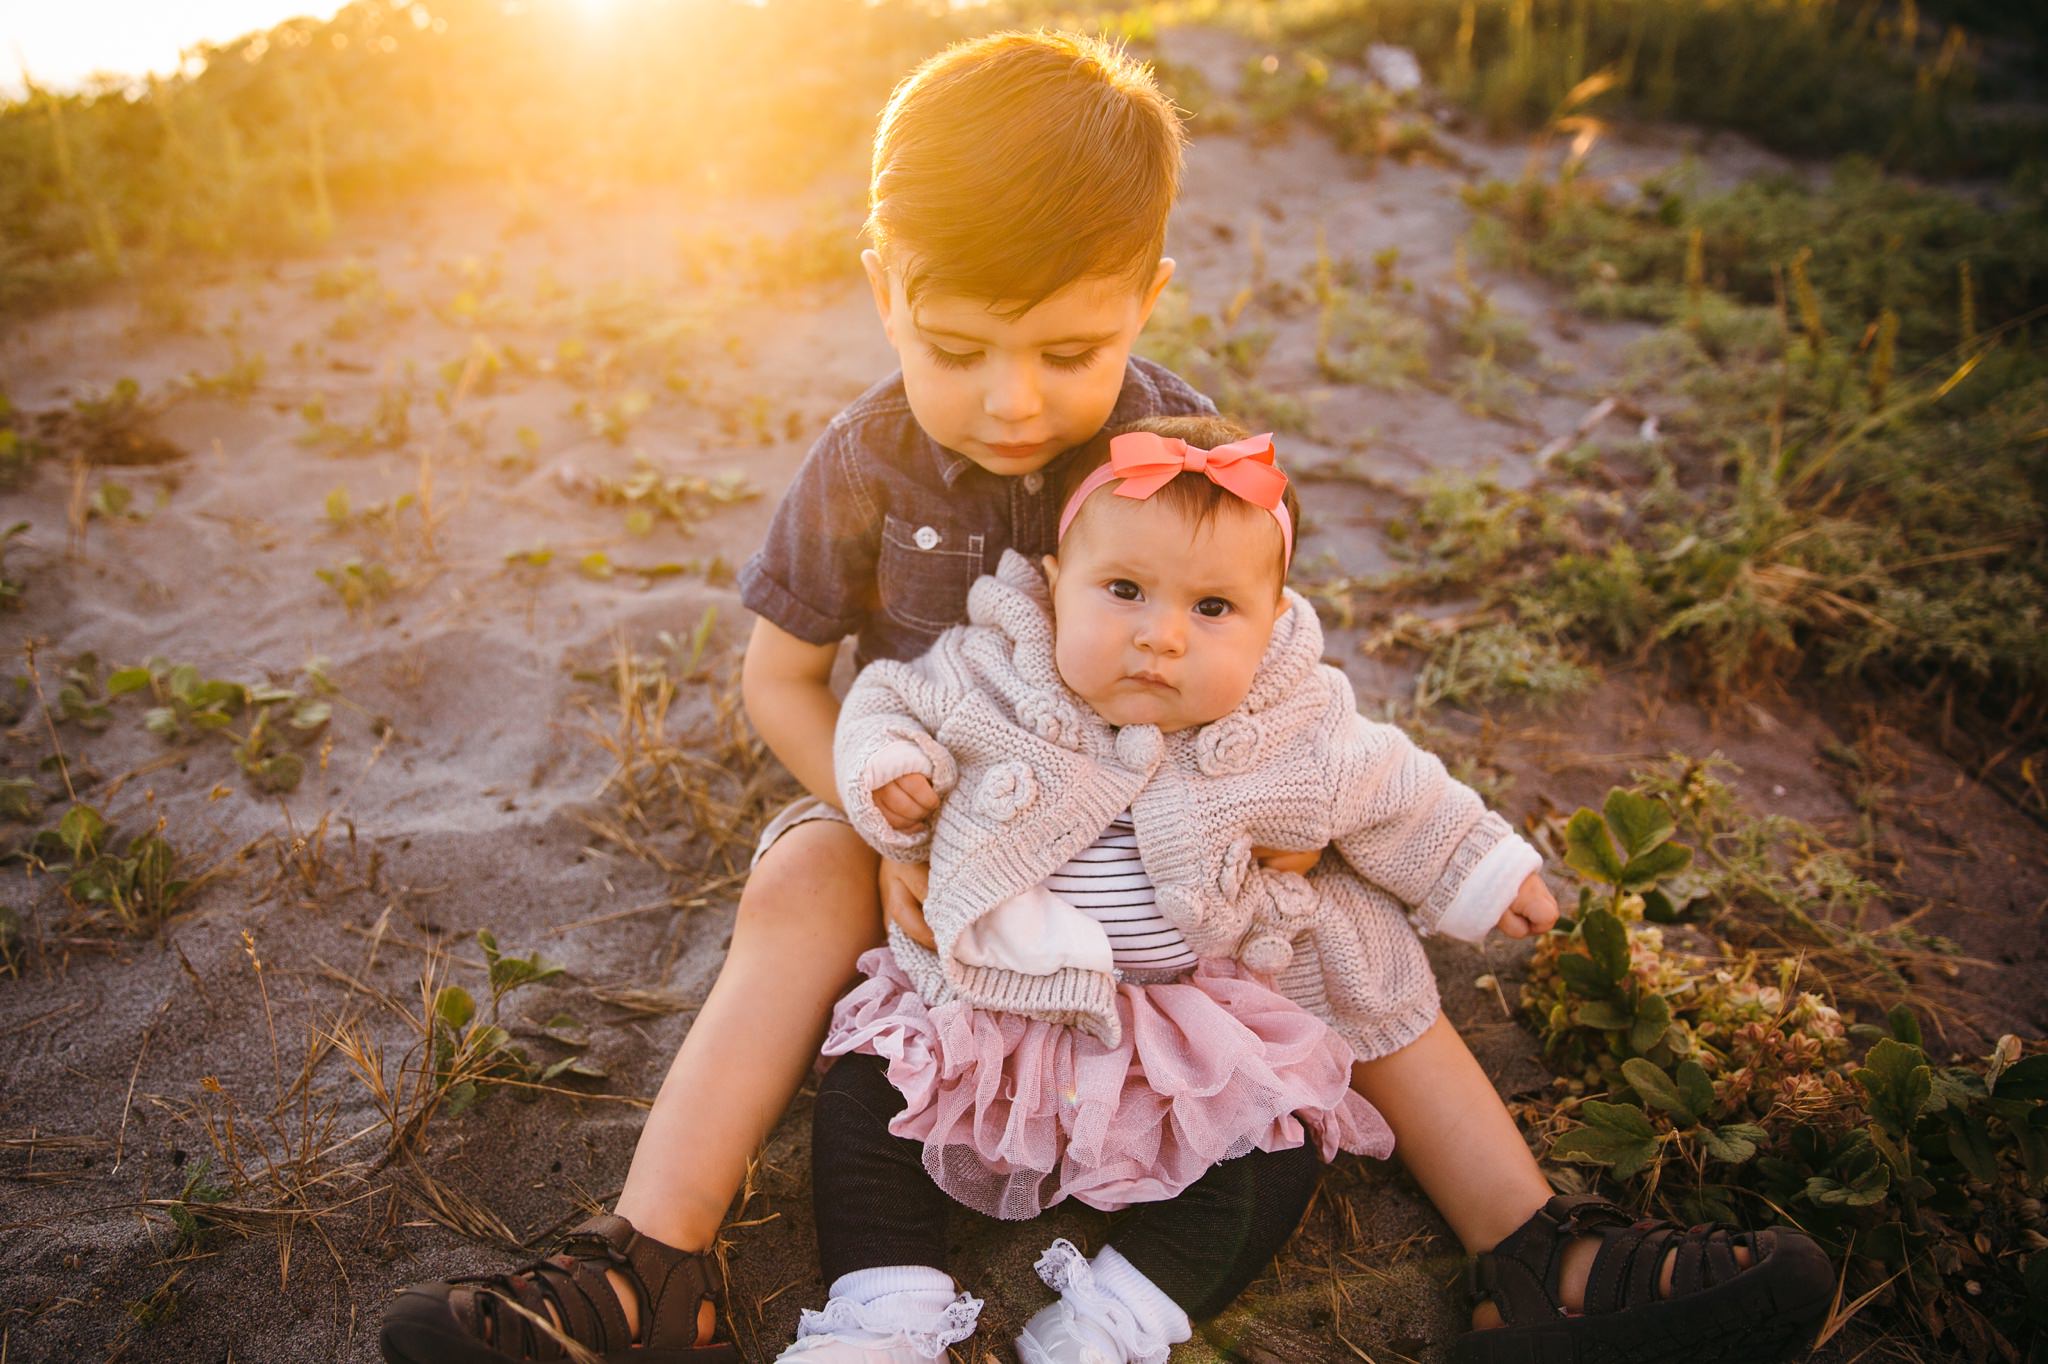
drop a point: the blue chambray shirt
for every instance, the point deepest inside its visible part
(883, 530)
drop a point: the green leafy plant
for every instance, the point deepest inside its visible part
(359, 585)
(112, 501)
(472, 1052)
(237, 383)
(136, 882)
(388, 428)
(81, 700)
(651, 496)
(1714, 1084)
(190, 706)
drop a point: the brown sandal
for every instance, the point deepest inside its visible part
(503, 1318)
(1719, 1309)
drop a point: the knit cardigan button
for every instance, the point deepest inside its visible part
(1138, 746)
(1268, 954)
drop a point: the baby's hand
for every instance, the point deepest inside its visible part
(1533, 910)
(908, 802)
(1274, 859)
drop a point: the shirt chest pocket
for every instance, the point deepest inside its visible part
(925, 570)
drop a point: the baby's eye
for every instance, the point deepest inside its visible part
(1123, 589)
(951, 359)
(1215, 608)
(1074, 362)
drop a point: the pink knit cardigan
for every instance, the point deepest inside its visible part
(1030, 776)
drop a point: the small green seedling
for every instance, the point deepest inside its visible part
(190, 706)
(471, 1053)
(138, 883)
(651, 495)
(238, 382)
(80, 699)
(359, 585)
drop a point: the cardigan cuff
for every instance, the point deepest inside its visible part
(901, 845)
(1071, 995)
(1479, 840)
(896, 759)
(1489, 889)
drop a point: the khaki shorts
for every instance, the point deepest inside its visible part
(802, 810)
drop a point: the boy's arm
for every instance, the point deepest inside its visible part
(786, 684)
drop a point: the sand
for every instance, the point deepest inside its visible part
(459, 779)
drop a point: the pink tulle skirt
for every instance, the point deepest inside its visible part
(1016, 1114)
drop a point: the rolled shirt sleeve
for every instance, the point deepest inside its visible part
(814, 575)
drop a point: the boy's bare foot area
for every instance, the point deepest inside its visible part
(1577, 1267)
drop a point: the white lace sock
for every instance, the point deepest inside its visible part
(916, 1301)
(1107, 1300)
(1159, 1314)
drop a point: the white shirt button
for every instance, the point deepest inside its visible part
(1033, 482)
(926, 538)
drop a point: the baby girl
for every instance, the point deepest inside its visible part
(1123, 1006)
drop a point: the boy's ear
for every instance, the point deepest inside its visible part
(878, 285)
(1155, 288)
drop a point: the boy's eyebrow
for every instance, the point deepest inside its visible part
(1095, 339)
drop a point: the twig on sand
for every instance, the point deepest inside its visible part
(121, 1136)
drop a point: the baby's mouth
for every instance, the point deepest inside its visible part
(1150, 679)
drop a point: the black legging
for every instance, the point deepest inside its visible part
(876, 1206)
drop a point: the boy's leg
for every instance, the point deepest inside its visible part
(1461, 1144)
(809, 909)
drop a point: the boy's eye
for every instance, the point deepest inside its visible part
(951, 359)
(1074, 362)
(1123, 589)
(1215, 608)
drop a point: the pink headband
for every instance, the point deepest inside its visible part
(1146, 462)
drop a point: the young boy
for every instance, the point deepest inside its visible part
(1019, 196)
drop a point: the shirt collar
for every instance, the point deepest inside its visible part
(950, 464)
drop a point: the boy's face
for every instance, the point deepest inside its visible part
(1012, 394)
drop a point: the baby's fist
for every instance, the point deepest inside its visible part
(1533, 910)
(908, 801)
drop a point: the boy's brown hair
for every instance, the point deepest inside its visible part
(1192, 495)
(1009, 166)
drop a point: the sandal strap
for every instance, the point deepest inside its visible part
(672, 1286)
(1520, 1275)
(490, 1316)
(1625, 1266)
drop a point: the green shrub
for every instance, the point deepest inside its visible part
(1726, 1091)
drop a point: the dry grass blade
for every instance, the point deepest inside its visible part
(577, 1353)
(643, 1002)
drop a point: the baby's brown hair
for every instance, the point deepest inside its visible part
(1192, 495)
(1010, 166)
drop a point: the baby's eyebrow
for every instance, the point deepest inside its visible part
(950, 335)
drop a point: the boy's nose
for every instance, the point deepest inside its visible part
(1012, 396)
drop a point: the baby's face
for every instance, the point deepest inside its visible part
(1157, 620)
(1012, 393)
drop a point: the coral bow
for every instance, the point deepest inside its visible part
(1143, 462)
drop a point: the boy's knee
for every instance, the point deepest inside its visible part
(818, 872)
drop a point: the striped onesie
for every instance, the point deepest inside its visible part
(1107, 882)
